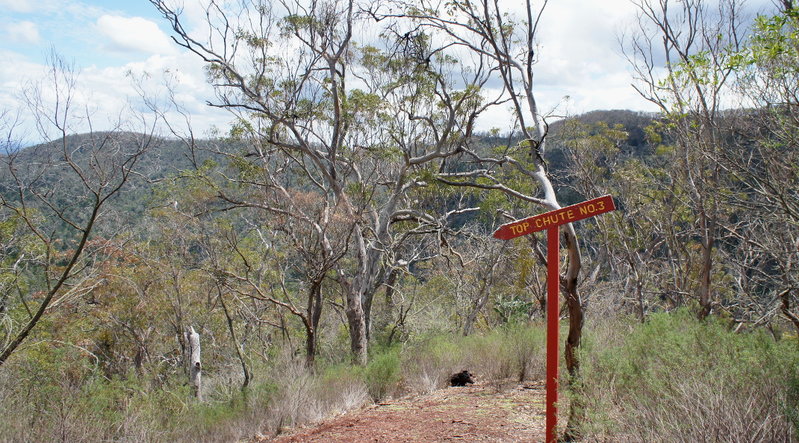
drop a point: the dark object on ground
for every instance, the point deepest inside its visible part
(461, 379)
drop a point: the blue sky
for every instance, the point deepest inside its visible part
(110, 43)
(80, 31)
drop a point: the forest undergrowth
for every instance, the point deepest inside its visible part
(671, 378)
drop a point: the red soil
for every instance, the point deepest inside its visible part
(470, 414)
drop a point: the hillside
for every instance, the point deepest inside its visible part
(43, 167)
(48, 181)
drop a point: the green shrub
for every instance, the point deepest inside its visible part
(500, 357)
(527, 345)
(507, 355)
(382, 374)
(340, 388)
(792, 401)
(678, 379)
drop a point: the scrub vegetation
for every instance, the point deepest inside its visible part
(333, 248)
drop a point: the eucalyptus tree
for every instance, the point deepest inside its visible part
(506, 44)
(767, 81)
(355, 127)
(593, 154)
(681, 53)
(736, 167)
(52, 199)
(644, 251)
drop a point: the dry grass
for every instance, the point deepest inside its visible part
(672, 379)
(501, 358)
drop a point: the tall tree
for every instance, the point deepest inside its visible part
(356, 126)
(507, 46)
(767, 80)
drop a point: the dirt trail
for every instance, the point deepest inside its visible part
(471, 414)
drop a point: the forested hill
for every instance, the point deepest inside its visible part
(43, 166)
(62, 178)
(50, 168)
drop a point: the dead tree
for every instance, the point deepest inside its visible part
(195, 368)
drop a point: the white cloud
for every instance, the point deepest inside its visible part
(14, 71)
(24, 32)
(134, 34)
(18, 5)
(113, 88)
(108, 94)
(580, 67)
(580, 57)
(34, 6)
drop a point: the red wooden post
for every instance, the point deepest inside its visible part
(551, 221)
(553, 330)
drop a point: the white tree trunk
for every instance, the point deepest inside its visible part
(195, 369)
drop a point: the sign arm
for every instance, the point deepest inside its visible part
(557, 217)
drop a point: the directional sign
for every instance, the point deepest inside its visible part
(551, 222)
(554, 218)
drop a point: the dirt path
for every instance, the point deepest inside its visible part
(471, 414)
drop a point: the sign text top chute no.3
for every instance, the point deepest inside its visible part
(551, 221)
(580, 211)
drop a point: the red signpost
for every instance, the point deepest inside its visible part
(551, 221)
